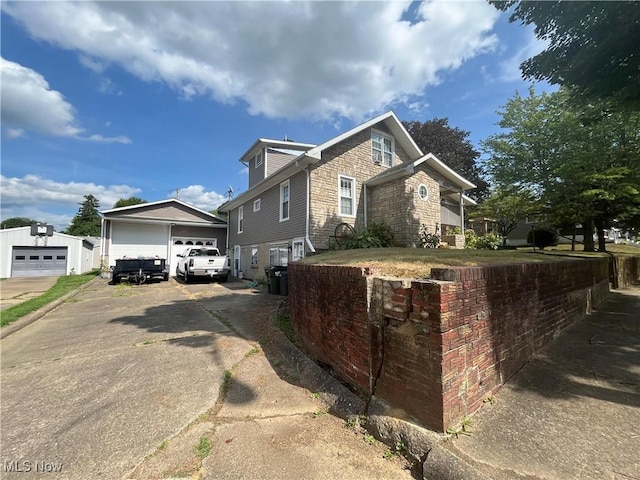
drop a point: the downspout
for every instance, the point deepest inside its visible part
(365, 206)
(226, 247)
(308, 209)
(461, 213)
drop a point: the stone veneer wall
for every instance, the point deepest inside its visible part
(434, 349)
(398, 205)
(352, 158)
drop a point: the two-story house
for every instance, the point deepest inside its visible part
(299, 193)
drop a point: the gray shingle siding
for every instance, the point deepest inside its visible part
(265, 225)
(277, 160)
(256, 174)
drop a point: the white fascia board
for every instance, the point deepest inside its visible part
(165, 222)
(267, 142)
(160, 202)
(391, 120)
(274, 179)
(444, 170)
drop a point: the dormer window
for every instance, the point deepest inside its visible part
(257, 160)
(382, 148)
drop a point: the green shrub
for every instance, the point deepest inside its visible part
(488, 241)
(542, 237)
(376, 235)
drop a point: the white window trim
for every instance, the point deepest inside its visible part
(280, 247)
(240, 218)
(258, 155)
(353, 198)
(297, 241)
(374, 151)
(257, 204)
(284, 184)
(256, 256)
(426, 197)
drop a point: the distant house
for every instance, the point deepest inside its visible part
(26, 253)
(299, 193)
(163, 229)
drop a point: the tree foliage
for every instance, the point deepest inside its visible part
(507, 206)
(126, 202)
(15, 222)
(87, 221)
(452, 146)
(581, 160)
(592, 46)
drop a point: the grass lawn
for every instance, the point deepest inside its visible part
(418, 262)
(64, 285)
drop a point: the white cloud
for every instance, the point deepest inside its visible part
(28, 103)
(14, 132)
(107, 87)
(315, 60)
(54, 202)
(198, 197)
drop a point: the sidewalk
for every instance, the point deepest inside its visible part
(573, 412)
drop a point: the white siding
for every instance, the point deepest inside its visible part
(138, 240)
(22, 237)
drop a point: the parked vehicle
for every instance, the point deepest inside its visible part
(198, 262)
(139, 269)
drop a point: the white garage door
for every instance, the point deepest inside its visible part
(138, 240)
(38, 261)
(179, 244)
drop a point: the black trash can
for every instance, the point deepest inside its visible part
(273, 281)
(284, 282)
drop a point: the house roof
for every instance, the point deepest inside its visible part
(454, 180)
(296, 147)
(314, 155)
(113, 212)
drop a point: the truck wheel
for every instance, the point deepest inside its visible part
(187, 277)
(224, 279)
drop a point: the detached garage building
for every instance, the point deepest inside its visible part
(159, 229)
(26, 255)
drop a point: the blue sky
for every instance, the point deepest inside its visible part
(120, 99)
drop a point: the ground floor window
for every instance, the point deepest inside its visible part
(254, 256)
(279, 255)
(298, 250)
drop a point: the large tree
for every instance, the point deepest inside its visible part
(592, 46)
(127, 202)
(14, 222)
(452, 146)
(87, 221)
(507, 207)
(582, 160)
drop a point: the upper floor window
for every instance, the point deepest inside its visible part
(256, 205)
(382, 148)
(240, 219)
(284, 200)
(257, 160)
(346, 196)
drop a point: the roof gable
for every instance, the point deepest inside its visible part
(170, 210)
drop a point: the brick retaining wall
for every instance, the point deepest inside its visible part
(434, 349)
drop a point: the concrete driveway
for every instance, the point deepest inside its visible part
(19, 289)
(125, 381)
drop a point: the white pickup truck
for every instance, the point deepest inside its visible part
(198, 262)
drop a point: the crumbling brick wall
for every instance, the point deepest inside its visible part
(434, 349)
